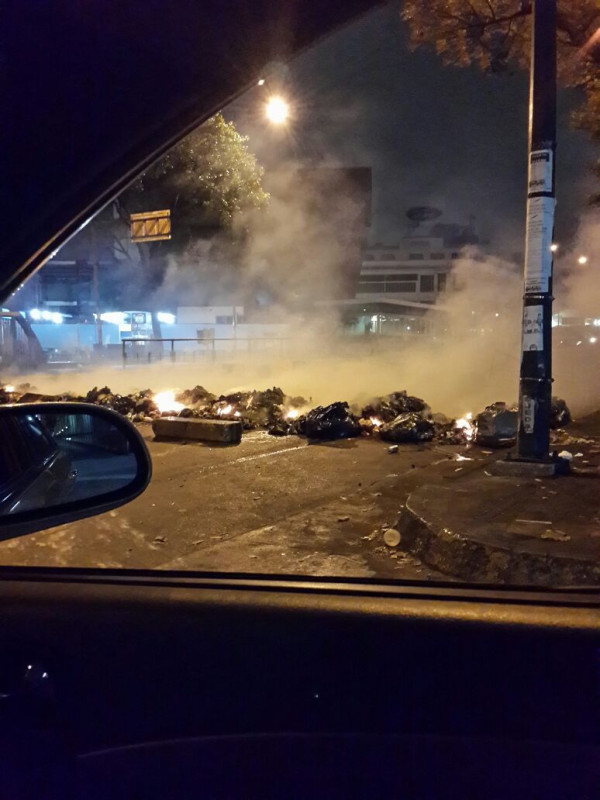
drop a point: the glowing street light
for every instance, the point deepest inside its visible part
(277, 110)
(554, 247)
(582, 260)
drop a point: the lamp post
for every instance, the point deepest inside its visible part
(277, 110)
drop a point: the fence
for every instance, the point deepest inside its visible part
(147, 351)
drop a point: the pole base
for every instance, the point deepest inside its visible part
(530, 469)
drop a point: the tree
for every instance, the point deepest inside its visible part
(496, 36)
(210, 181)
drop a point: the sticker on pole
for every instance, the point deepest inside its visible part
(538, 255)
(540, 171)
(533, 330)
(528, 413)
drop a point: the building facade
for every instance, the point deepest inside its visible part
(419, 269)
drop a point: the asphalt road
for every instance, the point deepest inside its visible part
(269, 505)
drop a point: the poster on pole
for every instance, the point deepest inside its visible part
(538, 255)
(540, 171)
(533, 330)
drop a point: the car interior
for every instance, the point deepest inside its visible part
(170, 684)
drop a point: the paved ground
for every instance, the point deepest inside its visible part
(513, 530)
(271, 504)
(281, 505)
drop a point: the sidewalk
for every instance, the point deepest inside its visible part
(530, 531)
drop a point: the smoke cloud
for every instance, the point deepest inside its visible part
(294, 253)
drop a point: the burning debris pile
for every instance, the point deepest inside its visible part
(397, 418)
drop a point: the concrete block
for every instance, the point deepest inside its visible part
(529, 469)
(220, 431)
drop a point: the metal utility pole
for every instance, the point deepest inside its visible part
(535, 388)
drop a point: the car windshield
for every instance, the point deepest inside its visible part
(328, 312)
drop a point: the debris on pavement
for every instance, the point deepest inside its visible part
(497, 425)
(559, 413)
(393, 448)
(568, 456)
(555, 535)
(398, 418)
(409, 427)
(386, 409)
(391, 537)
(334, 421)
(370, 536)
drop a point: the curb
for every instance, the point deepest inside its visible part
(459, 555)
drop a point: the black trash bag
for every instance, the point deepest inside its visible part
(559, 413)
(379, 409)
(411, 427)
(282, 427)
(196, 396)
(144, 403)
(268, 398)
(402, 402)
(300, 425)
(392, 405)
(237, 399)
(96, 395)
(331, 422)
(496, 426)
(124, 404)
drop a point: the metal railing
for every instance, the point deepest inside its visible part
(149, 350)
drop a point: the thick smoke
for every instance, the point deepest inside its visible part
(294, 254)
(577, 292)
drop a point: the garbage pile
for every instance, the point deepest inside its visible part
(397, 418)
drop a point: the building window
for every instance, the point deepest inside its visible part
(401, 287)
(442, 282)
(454, 255)
(388, 257)
(428, 283)
(438, 256)
(376, 284)
(224, 320)
(370, 288)
(372, 278)
(416, 256)
(401, 276)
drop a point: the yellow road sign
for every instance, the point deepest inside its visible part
(151, 226)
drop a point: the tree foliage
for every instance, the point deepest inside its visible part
(209, 180)
(496, 36)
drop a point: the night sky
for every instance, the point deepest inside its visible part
(433, 135)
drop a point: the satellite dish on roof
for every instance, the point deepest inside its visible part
(422, 213)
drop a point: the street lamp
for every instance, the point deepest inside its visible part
(582, 260)
(277, 110)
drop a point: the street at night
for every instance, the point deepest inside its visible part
(352, 227)
(300, 400)
(282, 505)
(268, 505)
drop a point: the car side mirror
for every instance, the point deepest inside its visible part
(60, 462)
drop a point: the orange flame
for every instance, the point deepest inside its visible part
(465, 424)
(166, 401)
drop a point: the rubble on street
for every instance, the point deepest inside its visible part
(396, 418)
(497, 426)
